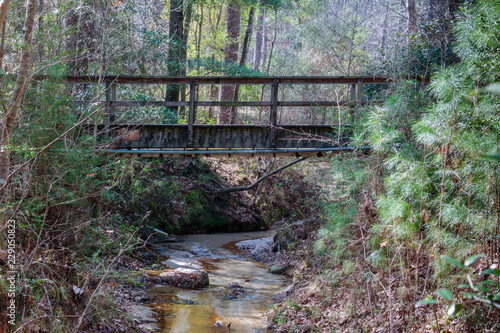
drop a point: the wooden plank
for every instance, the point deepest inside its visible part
(239, 103)
(87, 102)
(230, 153)
(131, 125)
(225, 136)
(315, 103)
(148, 103)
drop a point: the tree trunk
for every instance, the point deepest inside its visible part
(233, 16)
(2, 42)
(385, 32)
(10, 115)
(185, 36)
(454, 6)
(248, 37)
(4, 6)
(257, 56)
(432, 10)
(412, 17)
(175, 52)
(40, 29)
(198, 43)
(265, 47)
(81, 43)
(273, 42)
(243, 59)
(183, 62)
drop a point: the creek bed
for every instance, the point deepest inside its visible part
(211, 309)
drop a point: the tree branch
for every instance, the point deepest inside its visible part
(246, 188)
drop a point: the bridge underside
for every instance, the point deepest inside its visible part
(223, 140)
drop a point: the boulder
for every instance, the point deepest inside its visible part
(278, 269)
(184, 278)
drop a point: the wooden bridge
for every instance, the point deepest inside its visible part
(268, 135)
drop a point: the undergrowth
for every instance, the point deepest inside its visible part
(428, 192)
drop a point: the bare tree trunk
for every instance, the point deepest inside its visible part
(248, 37)
(264, 52)
(40, 29)
(243, 59)
(4, 6)
(412, 16)
(183, 61)
(432, 10)
(2, 42)
(198, 43)
(454, 6)
(10, 115)
(273, 42)
(175, 53)
(81, 43)
(233, 16)
(257, 56)
(385, 32)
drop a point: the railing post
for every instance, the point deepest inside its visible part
(356, 97)
(359, 98)
(192, 112)
(112, 110)
(107, 108)
(359, 90)
(274, 111)
(352, 99)
(353, 96)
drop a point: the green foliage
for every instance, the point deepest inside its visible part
(437, 150)
(486, 291)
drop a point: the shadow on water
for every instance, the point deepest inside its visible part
(213, 308)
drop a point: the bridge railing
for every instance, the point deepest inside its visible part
(191, 136)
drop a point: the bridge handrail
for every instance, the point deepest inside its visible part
(94, 79)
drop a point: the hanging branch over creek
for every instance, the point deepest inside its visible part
(249, 187)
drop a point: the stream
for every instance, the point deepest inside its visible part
(217, 308)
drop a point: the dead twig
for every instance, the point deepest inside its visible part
(249, 187)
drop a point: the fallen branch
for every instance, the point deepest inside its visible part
(249, 187)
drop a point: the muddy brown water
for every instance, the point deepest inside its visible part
(184, 310)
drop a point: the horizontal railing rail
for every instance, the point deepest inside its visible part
(120, 79)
